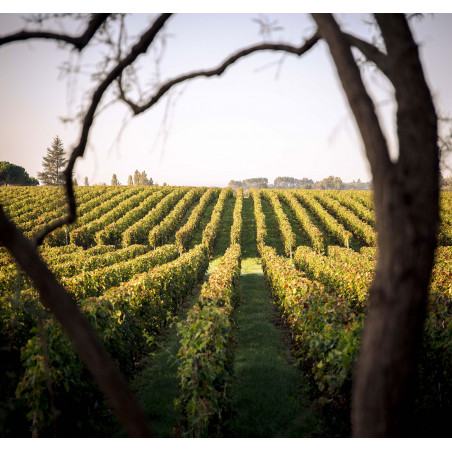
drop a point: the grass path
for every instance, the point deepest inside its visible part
(269, 395)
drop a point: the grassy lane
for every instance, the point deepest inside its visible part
(273, 234)
(156, 386)
(269, 394)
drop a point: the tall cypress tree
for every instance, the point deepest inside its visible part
(53, 164)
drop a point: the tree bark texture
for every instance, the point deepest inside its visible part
(406, 197)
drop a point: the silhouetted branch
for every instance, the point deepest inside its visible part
(91, 351)
(140, 47)
(79, 42)
(369, 51)
(358, 98)
(137, 109)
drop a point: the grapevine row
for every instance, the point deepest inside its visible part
(285, 229)
(261, 234)
(85, 235)
(330, 223)
(314, 234)
(206, 357)
(112, 233)
(237, 220)
(160, 233)
(355, 206)
(358, 227)
(124, 317)
(139, 232)
(210, 232)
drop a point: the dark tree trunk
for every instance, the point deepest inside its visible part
(407, 205)
(83, 337)
(407, 209)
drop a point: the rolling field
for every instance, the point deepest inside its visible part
(247, 311)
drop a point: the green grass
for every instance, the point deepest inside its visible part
(273, 234)
(270, 396)
(157, 385)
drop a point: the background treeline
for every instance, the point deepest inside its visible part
(329, 183)
(11, 174)
(445, 183)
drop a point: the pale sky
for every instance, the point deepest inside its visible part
(259, 119)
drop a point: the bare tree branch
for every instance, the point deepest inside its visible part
(401, 48)
(79, 42)
(138, 109)
(54, 296)
(369, 51)
(83, 337)
(358, 98)
(140, 47)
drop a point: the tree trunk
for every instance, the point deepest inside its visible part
(407, 212)
(83, 337)
(407, 206)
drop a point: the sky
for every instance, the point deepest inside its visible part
(269, 115)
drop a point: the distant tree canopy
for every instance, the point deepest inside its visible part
(256, 182)
(11, 174)
(86, 180)
(75, 182)
(141, 179)
(53, 163)
(446, 183)
(114, 180)
(291, 182)
(329, 183)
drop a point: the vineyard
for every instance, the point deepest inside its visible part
(155, 268)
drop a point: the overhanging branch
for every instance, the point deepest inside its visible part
(140, 47)
(138, 109)
(360, 102)
(79, 42)
(370, 52)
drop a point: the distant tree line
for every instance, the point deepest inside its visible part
(446, 183)
(54, 164)
(257, 182)
(11, 174)
(328, 183)
(140, 179)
